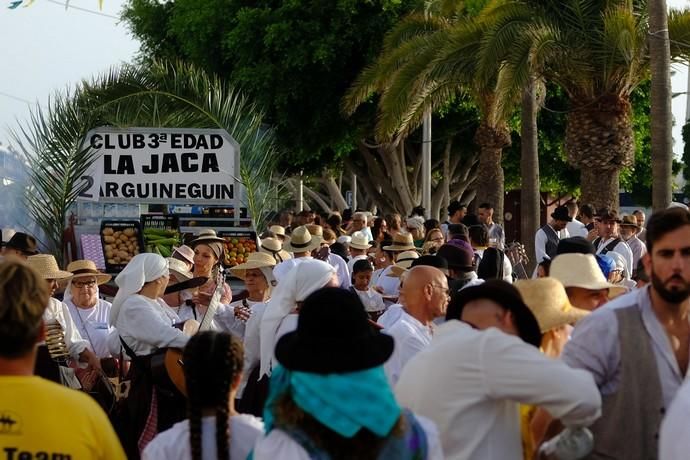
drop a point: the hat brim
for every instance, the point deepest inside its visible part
(570, 316)
(184, 275)
(206, 239)
(563, 218)
(360, 246)
(315, 243)
(396, 271)
(240, 271)
(614, 290)
(57, 275)
(627, 224)
(332, 357)
(24, 251)
(396, 247)
(101, 278)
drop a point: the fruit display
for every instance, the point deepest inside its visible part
(121, 241)
(237, 248)
(161, 241)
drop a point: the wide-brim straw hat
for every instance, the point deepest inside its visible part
(401, 242)
(274, 247)
(46, 266)
(255, 260)
(302, 241)
(277, 230)
(179, 269)
(403, 263)
(86, 268)
(547, 299)
(359, 241)
(582, 270)
(206, 236)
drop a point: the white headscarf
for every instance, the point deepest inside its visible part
(305, 278)
(142, 269)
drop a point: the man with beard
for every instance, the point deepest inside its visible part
(637, 347)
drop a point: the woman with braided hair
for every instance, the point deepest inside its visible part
(212, 367)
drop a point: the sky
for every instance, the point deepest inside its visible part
(46, 48)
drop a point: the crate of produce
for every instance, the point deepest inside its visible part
(121, 240)
(159, 221)
(238, 246)
(161, 241)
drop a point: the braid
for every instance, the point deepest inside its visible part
(212, 362)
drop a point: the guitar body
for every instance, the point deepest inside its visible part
(174, 367)
(167, 368)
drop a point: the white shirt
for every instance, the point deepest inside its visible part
(410, 337)
(576, 228)
(226, 321)
(674, 440)
(92, 324)
(621, 248)
(638, 249)
(470, 383)
(390, 316)
(58, 311)
(279, 445)
(252, 344)
(351, 262)
(146, 325)
(371, 300)
(389, 284)
(174, 443)
(337, 262)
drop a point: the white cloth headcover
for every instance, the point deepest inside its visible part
(142, 269)
(305, 278)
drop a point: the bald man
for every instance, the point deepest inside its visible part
(424, 296)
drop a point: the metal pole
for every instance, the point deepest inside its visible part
(354, 192)
(426, 164)
(300, 193)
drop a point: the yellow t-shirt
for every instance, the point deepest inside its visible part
(43, 420)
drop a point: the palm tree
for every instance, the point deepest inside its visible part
(158, 95)
(426, 61)
(598, 53)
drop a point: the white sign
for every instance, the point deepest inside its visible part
(162, 165)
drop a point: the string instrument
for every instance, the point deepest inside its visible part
(517, 255)
(172, 360)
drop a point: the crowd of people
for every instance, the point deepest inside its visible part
(358, 337)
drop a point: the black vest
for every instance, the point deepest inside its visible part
(551, 241)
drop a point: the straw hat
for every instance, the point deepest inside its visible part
(548, 301)
(206, 236)
(185, 252)
(255, 260)
(84, 268)
(629, 220)
(401, 242)
(302, 241)
(47, 267)
(315, 230)
(277, 230)
(582, 270)
(359, 241)
(403, 262)
(179, 268)
(274, 247)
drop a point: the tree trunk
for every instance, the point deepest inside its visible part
(661, 118)
(529, 172)
(490, 182)
(600, 187)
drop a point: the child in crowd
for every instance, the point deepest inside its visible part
(372, 300)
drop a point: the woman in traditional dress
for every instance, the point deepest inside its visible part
(329, 397)
(209, 252)
(144, 326)
(213, 366)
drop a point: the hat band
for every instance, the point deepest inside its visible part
(406, 259)
(300, 245)
(89, 271)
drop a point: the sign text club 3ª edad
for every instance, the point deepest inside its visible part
(162, 165)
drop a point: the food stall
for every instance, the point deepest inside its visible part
(150, 189)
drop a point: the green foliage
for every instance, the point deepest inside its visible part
(295, 58)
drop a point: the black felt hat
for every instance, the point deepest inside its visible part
(26, 244)
(509, 298)
(575, 244)
(333, 336)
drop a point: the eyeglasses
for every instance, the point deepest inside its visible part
(83, 284)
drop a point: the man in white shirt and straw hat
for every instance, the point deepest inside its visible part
(57, 312)
(583, 280)
(402, 245)
(359, 248)
(274, 247)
